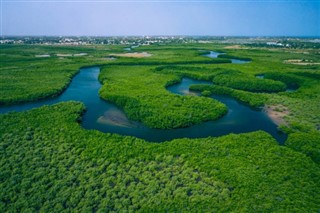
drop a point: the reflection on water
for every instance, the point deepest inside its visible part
(238, 61)
(213, 54)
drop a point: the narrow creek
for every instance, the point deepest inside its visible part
(106, 117)
(213, 54)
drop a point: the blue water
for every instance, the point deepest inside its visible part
(214, 54)
(106, 117)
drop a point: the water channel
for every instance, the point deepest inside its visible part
(214, 54)
(107, 117)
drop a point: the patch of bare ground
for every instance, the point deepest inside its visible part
(71, 55)
(277, 113)
(114, 118)
(42, 56)
(133, 55)
(300, 62)
(235, 47)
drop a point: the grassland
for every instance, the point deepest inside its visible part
(50, 163)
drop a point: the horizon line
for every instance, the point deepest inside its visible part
(289, 36)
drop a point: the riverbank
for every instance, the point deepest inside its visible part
(107, 117)
(277, 113)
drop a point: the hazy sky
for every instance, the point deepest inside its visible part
(176, 17)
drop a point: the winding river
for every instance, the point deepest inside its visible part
(107, 117)
(214, 54)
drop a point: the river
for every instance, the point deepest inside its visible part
(213, 54)
(106, 117)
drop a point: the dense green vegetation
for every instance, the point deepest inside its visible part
(58, 165)
(48, 162)
(302, 104)
(307, 143)
(247, 97)
(20, 69)
(248, 83)
(50, 81)
(199, 73)
(226, 77)
(22, 65)
(142, 95)
(233, 57)
(289, 79)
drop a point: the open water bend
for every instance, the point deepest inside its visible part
(106, 117)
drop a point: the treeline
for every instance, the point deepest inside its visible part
(252, 99)
(199, 73)
(248, 83)
(290, 80)
(180, 68)
(195, 72)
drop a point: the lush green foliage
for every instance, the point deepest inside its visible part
(302, 104)
(225, 77)
(16, 85)
(250, 98)
(48, 162)
(145, 98)
(233, 57)
(248, 83)
(307, 143)
(20, 69)
(199, 73)
(289, 79)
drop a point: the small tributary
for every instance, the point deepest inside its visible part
(106, 117)
(213, 54)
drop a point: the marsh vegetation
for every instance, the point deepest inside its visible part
(49, 161)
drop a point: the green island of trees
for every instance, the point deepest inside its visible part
(143, 96)
(49, 162)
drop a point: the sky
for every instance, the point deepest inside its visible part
(160, 17)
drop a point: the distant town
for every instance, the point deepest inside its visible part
(276, 42)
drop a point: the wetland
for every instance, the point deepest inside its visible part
(79, 133)
(107, 117)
